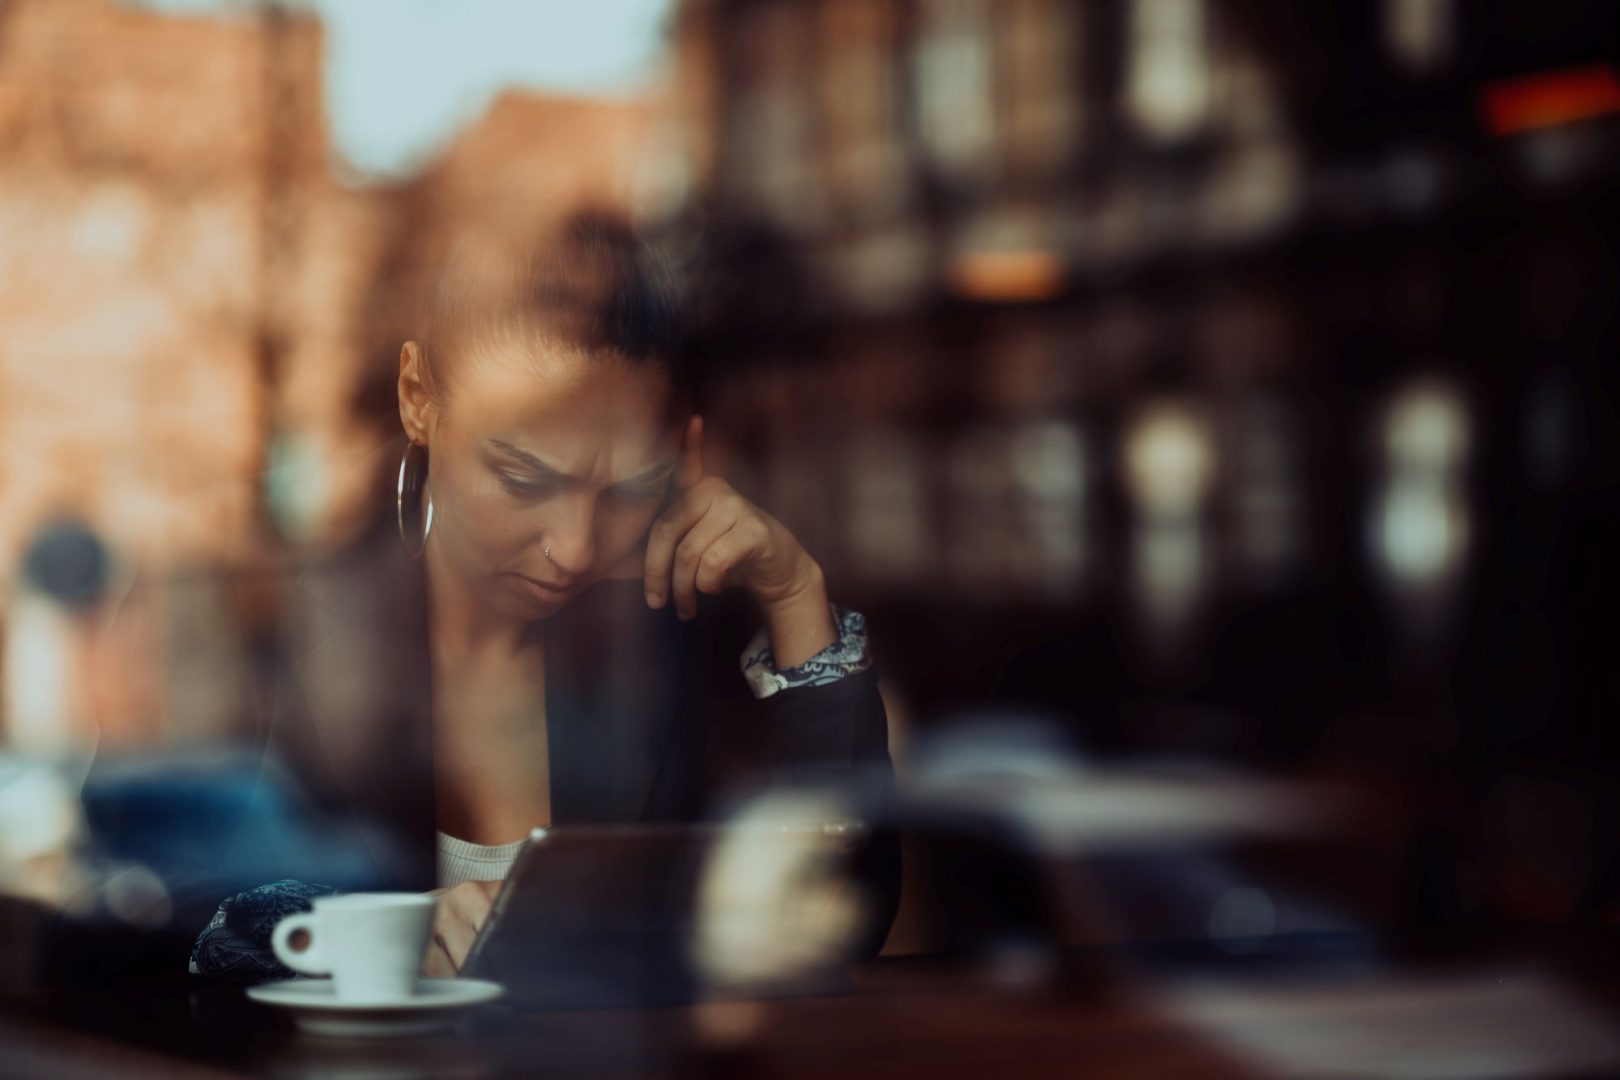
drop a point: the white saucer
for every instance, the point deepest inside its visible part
(436, 1006)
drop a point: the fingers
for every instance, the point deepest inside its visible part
(689, 466)
(715, 544)
(666, 533)
(702, 537)
(456, 921)
(454, 939)
(436, 963)
(725, 553)
(689, 554)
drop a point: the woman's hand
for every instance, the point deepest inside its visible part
(460, 914)
(711, 537)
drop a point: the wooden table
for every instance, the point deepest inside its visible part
(906, 1019)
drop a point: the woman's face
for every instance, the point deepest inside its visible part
(564, 450)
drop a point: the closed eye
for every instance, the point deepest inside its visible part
(525, 487)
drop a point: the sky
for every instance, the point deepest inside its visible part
(402, 76)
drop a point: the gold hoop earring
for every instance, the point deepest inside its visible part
(413, 500)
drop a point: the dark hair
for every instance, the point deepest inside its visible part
(594, 283)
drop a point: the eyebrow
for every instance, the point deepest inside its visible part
(551, 472)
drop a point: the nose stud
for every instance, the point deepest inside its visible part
(548, 551)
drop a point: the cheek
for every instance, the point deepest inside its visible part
(476, 512)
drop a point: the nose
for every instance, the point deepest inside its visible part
(570, 536)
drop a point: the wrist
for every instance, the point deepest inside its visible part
(799, 622)
(806, 591)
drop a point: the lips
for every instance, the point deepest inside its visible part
(541, 590)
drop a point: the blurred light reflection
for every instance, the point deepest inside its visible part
(1169, 461)
(1422, 523)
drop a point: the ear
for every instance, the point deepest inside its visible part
(418, 413)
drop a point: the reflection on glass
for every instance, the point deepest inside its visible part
(1169, 464)
(1048, 464)
(1040, 58)
(39, 824)
(1262, 455)
(771, 906)
(980, 535)
(771, 116)
(1420, 523)
(955, 85)
(858, 100)
(1169, 461)
(886, 486)
(1167, 92)
(1418, 32)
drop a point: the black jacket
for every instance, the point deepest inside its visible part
(648, 720)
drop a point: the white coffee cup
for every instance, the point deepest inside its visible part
(370, 943)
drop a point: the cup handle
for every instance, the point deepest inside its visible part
(306, 960)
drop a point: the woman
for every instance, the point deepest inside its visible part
(554, 476)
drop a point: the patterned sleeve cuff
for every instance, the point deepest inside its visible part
(235, 946)
(844, 657)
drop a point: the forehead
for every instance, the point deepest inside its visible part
(570, 404)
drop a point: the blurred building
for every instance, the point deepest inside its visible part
(200, 324)
(145, 204)
(190, 288)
